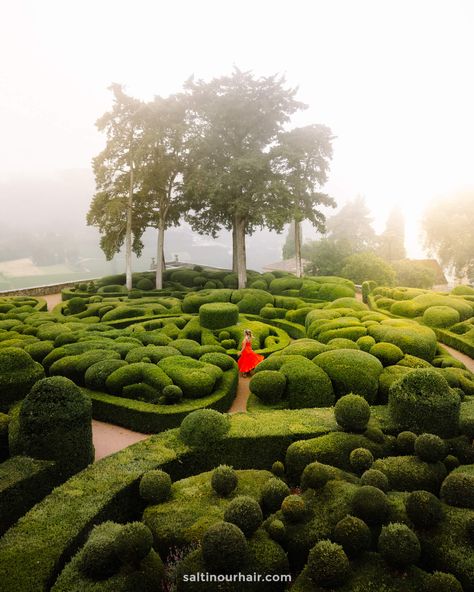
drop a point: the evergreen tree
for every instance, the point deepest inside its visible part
(354, 224)
(392, 240)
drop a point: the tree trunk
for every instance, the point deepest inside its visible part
(299, 270)
(160, 257)
(239, 225)
(128, 234)
(234, 248)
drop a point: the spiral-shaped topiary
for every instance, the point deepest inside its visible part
(224, 548)
(273, 493)
(224, 480)
(353, 534)
(423, 508)
(398, 545)
(328, 565)
(155, 486)
(244, 512)
(352, 413)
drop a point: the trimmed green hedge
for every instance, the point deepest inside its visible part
(217, 315)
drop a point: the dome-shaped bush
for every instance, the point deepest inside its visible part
(76, 305)
(451, 462)
(172, 394)
(365, 342)
(352, 413)
(423, 508)
(308, 385)
(268, 385)
(244, 512)
(221, 360)
(217, 315)
(370, 504)
(440, 316)
(422, 401)
(98, 559)
(277, 531)
(293, 508)
(375, 478)
(361, 459)
(278, 469)
(96, 375)
(18, 373)
(406, 442)
(353, 534)
(133, 542)
(223, 335)
(430, 448)
(442, 582)
(224, 480)
(224, 548)
(273, 493)
(398, 545)
(155, 486)
(203, 428)
(328, 565)
(316, 475)
(458, 489)
(387, 353)
(145, 284)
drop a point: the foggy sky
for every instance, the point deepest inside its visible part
(393, 80)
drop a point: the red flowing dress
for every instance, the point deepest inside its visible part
(248, 358)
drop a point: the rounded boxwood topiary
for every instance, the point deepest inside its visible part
(223, 335)
(273, 493)
(440, 316)
(423, 508)
(229, 343)
(221, 360)
(316, 475)
(18, 373)
(406, 442)
(96, 375)
(133, 542)
(352, 413)
(293, 508)
(76, 305)
(422, 401)
(328, 565)
(244, 512)
(458, 489)
(203, 428)
(172, 394)
(398, 545)
(217, 315)
(224, 480)
(268, 385)
(387, 353)
(98, 558)
(361, 459)
(439, 581)
(430, 448)
(277, 531)
(155, 486)
(370, 504)
(224, 548)
(365, 342)
(451, 462)
(375, 478)
(353, 534)
(278, 469)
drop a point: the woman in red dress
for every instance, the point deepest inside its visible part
(248, 358)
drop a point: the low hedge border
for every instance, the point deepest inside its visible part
(456, 341)
(151, 419)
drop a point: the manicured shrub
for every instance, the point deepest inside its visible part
(273, 493)
(224, 548)
(133, 543)
(244, 512)
(139, 373)
(18, 373)
(442, 582)
(145, 284)
(375, 478)
(341, 343)
(293, 508)
(39, 350)
(224, 480)
(172, 394)
(196, 379)
(259, 285)
(398, 545)
(278, 469)
(430, 448)
(316, 475)
(75, 367)
(76, 305)
(55, 423)
(370, 504)
(98, 559)
(440, 316)
(387, 353)
(375, 434)
(307, 385)
(352, 413)
(155, 353)
(412, 339)
(328, 565)
(251, 301)
(361, 459)
(423, 508)
(451, 462)
(96, 375)
(309, 348)
(277, 531)
(409, 473)
(353, 535)
(351, 371)
(203, 428)
(422, 401)
(268, 385)
(406, 442)
(458, 489)
(155, 486)
(222, 361)
(217, 315)
(409, 361)
(229, 344)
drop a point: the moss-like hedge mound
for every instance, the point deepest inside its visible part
(217, 315)
(399, 545)
(352, 413)
(18, 373)
(203, 427)
(440, 316)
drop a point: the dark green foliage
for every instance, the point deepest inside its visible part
(75, 367)
(244, 512)
(155, 486)
(412, 339)
(196, 379)
(307, 385)
(154, 352)
(442, 582)
(203, 428)
(18, 373)
(55, 424)
(387, 353)
(458, 489)
(430, 448)
(352, 413)
(268, 385)
(409, 473)
(133, 542)
(134, 374)
(423, 508)
(309, 348)
(370, 504)
(278, 469)
(293, 508)
(76, 305)
(451, 462)
(406, 442)
(39, 350)
(224, 480)
(422, 401)
(361, 459)
(276, 529)
(470, 528)
(217, 315)
(145, 284)
(353, 535)
(98, 559)
(375, 478)
(172, 394)
(328, 565)
(316, 475)
(222, 361)
(273, 493)
(224, 548)
(399, 545)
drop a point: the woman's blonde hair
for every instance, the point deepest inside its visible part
(248, 332)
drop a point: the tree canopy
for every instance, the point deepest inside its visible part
(353, 223)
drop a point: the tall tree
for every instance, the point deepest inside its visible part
(288, 250)
(114, 209)
(228, 182)
(449, 232)
(353, 223)
(392, 240)
(301, 162)
(326, 256)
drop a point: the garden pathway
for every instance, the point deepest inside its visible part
(52, 300)
(109, 438)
